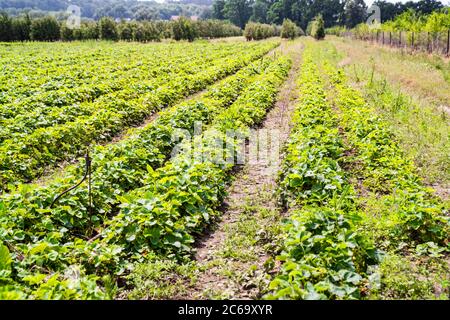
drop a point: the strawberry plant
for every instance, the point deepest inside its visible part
(174, 203)
(324, 255)
(25, 158)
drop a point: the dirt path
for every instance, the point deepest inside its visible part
(235, 256)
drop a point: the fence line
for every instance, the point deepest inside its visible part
(438, 43)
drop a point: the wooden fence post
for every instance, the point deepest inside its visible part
(448, 43)
(412, 40)
(390, 38)
(399, 38)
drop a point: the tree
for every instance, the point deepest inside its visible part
(332, 12)
(259, 31)
(5, 27)
(207, 14)
(90, 30)
(145, 13)
(259, 9)
(67, 33)
(289, 30)
(119, 11)
(238, 11)
(388, 10)
(275, 13)
(45, 29)
(183, 29)
(437, 22)
(309, 27)
(20, 28)
(146, 31)
(301, 12)
(125, 31)
(107, 29)
(318, 28)
(425, 6)
(217, 9)
(355, 12)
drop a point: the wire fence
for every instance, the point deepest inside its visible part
(437, 43)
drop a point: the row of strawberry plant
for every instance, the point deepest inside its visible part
(59, 106)
(412, 214)
(188, 191)
(25, 159)
(162, 217)
(82, 78)
(113, 95)
(71, 84)
(26, 76)
(324, 255)
(117, 168)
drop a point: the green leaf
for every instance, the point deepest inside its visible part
(5, 258)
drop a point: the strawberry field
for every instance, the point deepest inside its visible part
(121, 162)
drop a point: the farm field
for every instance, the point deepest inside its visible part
(412, 94)
(223, 169)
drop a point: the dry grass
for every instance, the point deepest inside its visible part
(417, 77)
(410, 95)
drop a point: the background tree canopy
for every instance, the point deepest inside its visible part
(126, 9)
(334, 12)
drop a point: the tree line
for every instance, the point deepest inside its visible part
(48, 28)
(117, 9)
(409, 30)
(434, 23)
(347, 13)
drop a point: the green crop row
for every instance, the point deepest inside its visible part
(410, 214)
(80, 72)
(344, 222)
(124, 85)
(28, 116)
(117, 168)
(161, 217)
(188, 190)
(25, 159)
(324, 255)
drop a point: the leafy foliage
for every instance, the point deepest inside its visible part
(175, 201)
(343, 222)
(47, 28)
(318, 28)
(324, 254)
(259, 31)
(183, 29)
(420, 217)
(109, 115)
(107, 29)
(290, 31)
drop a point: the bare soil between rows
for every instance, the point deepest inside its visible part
(255, 183)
